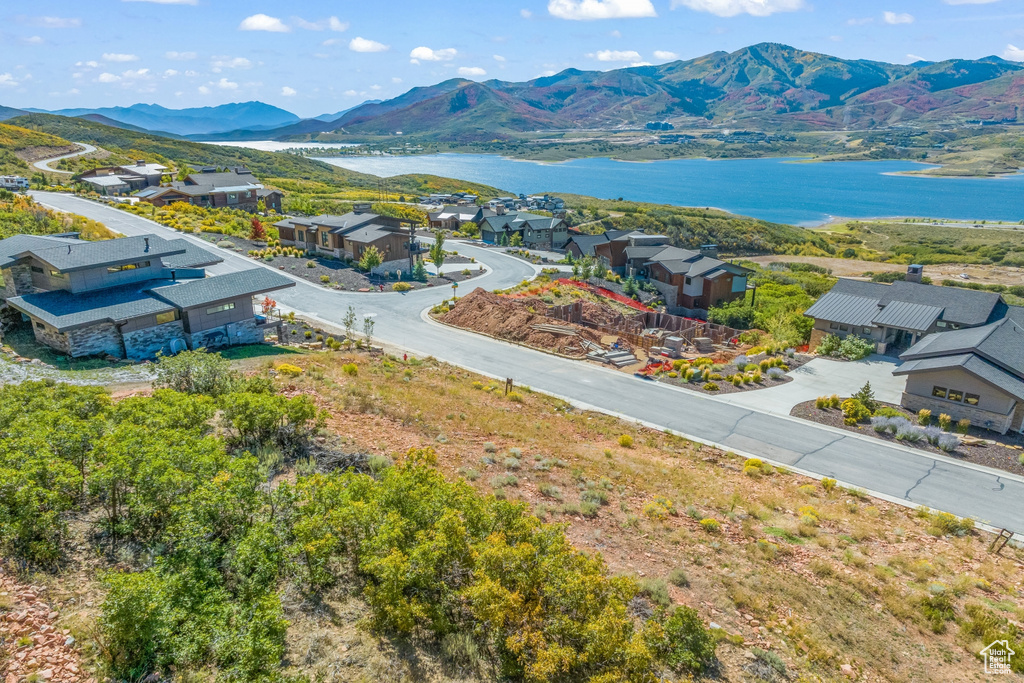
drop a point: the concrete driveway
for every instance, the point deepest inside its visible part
(824, 377)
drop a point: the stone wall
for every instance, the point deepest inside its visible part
(17, 280)
(52, 338)
(1017, 424)
(391, 267)
(958, 411)
(144, 344)
(232, 334)
(97, 340)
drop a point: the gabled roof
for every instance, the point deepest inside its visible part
(904, 315)
(348, 221)
(13, 247)
(193, 257)
(144, 169)
(1001, 343)
(66, 311)
(586, 243)
(222, 287)
(229, 178)
(77, 255)
(105, 180)
(961, 306)
(845, 309)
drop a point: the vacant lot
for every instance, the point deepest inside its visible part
(841, 267)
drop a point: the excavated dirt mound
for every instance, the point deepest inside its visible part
(511, 319)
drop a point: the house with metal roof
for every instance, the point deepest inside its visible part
(132, 297)
(535, 231)
(973, 373)
(895, 317)
(113, 180)
(691, 281)
(210, 188)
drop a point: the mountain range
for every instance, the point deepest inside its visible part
(767, 87)
(224, 118)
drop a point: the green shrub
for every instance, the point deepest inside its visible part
(712, 526)
(924, 417)
(678, 577)
(829, 345)
(325, 279)
(963, 426)
(855, 348)
(854, 411)
(401, 287)
(350, 369)
(945, 421)
(828, 484)
(626, 441)
(710, 386)
(656, 590)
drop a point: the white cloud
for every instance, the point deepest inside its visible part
(135, 74)
(471, 71)
(1014, 53)
(731, 8)
(119, 57)
(332, 23)
(225, 84)
(911, 57)
(396, 80)
(180, 56)
(350, 93)
(428, 55)
(525, 13)
(499, 58)
(586, 10)
(897, 18)
(360, 44)
(615, 34)
(288, 92)
(56, 22)
(203, 90)
(32, 40)
(263, 22)
(167, 2)
(92, 64)
(665, 55)
(616, 56)
(107, 78)
(8, 81)
(220, 63)
(170, 73)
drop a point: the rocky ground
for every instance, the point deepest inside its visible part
(33, 649)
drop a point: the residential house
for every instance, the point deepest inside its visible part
(536, 232)
(131, 297)
(234, 189)
(895, 317)
(691, 281)
(975, 373)
(118, 180)
(582, 245)
(612, 252)
(453, 217)
(350, 235)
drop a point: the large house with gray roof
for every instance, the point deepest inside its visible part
(234, 189)
(536, 232)
(349, 236)
(976, 373)
(131, 297)
(895, 317)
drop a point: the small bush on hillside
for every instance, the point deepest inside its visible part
(829, 345)
(401, 287)
(350, 369)
(626, 441)
(710, 525)
(289, 370)
(924, 417)
(854, 411)
(678, 577)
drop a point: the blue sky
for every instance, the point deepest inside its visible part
(318, 56)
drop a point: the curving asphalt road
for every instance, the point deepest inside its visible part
(44, 165)
(896, 473)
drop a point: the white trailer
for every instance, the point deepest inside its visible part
(13, 183)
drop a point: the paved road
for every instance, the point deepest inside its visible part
(896, 473)
(44, 165)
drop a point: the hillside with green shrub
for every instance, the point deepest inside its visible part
(19, 215)
(17, 144)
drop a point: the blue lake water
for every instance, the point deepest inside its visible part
(772, 189)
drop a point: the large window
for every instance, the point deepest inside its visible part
(56, 273)
(37, 269)
(220, 309)
(128, 266)
(955, 395)
(939, 392)
(302, 236)
(323, 238)
(972, 399)
(168, 317)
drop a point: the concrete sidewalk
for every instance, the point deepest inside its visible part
(824, 377)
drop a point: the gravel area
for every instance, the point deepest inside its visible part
(329, 272)
(984, 448)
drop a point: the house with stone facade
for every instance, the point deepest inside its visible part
(536, 232)
(974, 373)
(895, 317)
(131, 297)
(237, 189)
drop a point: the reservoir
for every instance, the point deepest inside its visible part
(780, 190)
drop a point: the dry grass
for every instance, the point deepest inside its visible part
(843, 587)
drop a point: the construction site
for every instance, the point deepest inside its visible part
(591, 329)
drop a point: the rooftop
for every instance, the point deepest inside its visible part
(222, 287)
(13, 247)
(958, 305)
(66, 311)
(76, 255)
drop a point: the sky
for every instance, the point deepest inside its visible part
(313, 57)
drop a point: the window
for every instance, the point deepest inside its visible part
(844, 328)
(971, 399)
(220, 309)
(939, 392)
(867, 330)
(128, 266)
(40, 326)
(56, 273)
(833, 326)
(37, 269)
(955, 395)
(168, 317)
(302, 236)
(689, 281)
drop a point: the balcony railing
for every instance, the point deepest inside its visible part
(267, 318)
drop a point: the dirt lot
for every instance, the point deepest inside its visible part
(513, 320)
(994, 450)
(988, 275)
